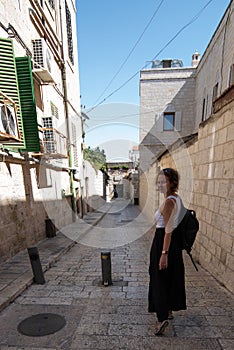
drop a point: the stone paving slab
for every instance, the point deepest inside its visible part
(116, 317)
(16, 274)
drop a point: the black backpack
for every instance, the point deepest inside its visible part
(188, 228)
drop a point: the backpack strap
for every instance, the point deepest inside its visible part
(172, 197)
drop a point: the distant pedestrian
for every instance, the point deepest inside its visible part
(115, 192)
(167, 281)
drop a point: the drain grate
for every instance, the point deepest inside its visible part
(41, 324)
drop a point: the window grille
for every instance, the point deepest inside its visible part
(54, 110)
(54, 142)
(69, 34)
(74, 141)
(48, 132)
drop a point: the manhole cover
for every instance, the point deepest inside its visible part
(41, 324)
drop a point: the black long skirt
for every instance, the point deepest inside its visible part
(166, 287)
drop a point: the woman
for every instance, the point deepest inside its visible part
(167, 283)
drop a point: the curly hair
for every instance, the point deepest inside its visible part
(173, 177)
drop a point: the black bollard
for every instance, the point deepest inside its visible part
(36, 265)
(106, 268)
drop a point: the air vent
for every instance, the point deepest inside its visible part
(42, 60)
(8, 122)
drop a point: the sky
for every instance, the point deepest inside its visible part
(116, 39)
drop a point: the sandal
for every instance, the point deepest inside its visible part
(161, 328)
(170, 315)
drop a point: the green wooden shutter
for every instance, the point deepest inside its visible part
(9, 84)
(28, 103)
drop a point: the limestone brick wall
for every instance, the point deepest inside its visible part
(215, 66)
(209, 189)
(24, 207)
(163, 90)
(148, 195)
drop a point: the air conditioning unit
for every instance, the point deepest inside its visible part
(8, 122)
(42, 60)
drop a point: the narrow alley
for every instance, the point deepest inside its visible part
(113, 317)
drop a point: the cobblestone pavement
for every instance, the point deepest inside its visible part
(113, 317)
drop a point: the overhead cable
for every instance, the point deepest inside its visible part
(131, 51)
(164, 47)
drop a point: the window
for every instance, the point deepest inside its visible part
(204, 109)
(69, 34)
(215, 95)
(215, 91)
(54, 110)
(49, 142)
(168, 121)
(74, 138)
(231, 75)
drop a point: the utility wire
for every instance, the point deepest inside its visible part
(135, 45)
(164, 47)
(120, 116)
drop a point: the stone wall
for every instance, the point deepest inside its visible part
(94, 189)
(216, 66)
(148, 195)
(212, 191)
(25, 205)
(164, 90)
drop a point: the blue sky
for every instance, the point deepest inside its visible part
(107, 33)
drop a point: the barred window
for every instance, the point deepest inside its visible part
(54, 110)
(49, 142)
(74, 140)
(69, 34)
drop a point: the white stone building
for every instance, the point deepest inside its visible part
(166, 106)
(41, 127)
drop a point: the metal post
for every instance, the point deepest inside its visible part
(36, 265)
(106, 268)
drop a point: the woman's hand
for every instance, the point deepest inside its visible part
(163, 262)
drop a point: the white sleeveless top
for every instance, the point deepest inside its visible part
(159, 218)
